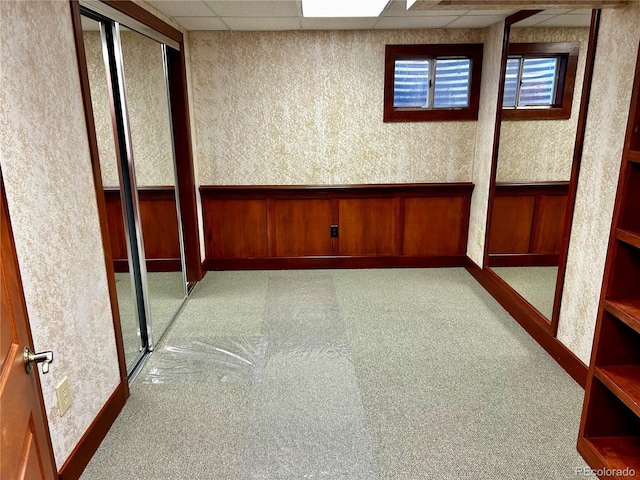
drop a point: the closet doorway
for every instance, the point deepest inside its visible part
(127, 66)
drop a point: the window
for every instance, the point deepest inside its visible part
(539, 81)
(432, 82)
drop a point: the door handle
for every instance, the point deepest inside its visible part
(30, 358)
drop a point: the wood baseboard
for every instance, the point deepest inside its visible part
(523, 260)
(531, 320)
(121, 265)
(280, 263)
(91, 440)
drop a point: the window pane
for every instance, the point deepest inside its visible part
(411, 83)
(538, 81)
(452, 83)
(511, 82)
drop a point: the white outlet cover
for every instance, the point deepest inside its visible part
(64, 395)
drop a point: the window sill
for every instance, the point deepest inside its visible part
(536, 114)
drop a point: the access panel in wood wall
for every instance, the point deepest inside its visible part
(511, 224)
(299, 227)
(548, 224)
(368, 226)
(235, 228)
(432, 226)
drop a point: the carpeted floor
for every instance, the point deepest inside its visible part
(536, 284)
(345, 374)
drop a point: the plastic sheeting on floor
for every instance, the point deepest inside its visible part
(306, 416)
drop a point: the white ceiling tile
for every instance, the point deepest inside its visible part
(263, 23)
(567, 21)
(201, 23)
(184, 8)
(398, 8)
(338, 23)
(531, 21)
(481, 21)
(506, 13)
(413, 22)
(255, 8)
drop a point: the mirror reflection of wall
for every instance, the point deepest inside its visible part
(536, 151)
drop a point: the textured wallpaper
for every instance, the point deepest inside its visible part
(606, 126)
(542, 150)
(147, 104)
(46, 166)
(484, 141)
(306, 108)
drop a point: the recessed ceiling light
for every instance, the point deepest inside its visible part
(343, 8)
(410, 3)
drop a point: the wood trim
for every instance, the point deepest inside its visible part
(506, 189)
(121, 265)
(531, 320)
(149, 19)
(472, 50)
(184, 161)
(522, 260)
(575, 168)
(90, 441)
(292, 263)
(231, 192)
(97, 180)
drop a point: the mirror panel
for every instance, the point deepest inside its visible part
(129, 297)
(536, 152)
(153, 153)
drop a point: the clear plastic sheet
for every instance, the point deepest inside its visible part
(306, 417)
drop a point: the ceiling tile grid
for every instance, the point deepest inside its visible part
(262, 15)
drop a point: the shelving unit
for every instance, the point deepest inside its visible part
(610, 427)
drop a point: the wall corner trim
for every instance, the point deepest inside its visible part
(92, 438)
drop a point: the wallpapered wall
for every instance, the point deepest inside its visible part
(50, 193)
(542, 150)
(306, 108)
(147, 104)
(604, 137)
(493, 41)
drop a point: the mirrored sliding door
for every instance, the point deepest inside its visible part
(129, 95)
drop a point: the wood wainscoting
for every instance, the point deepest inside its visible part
(159, 220)
(397, 225)
(527, 223)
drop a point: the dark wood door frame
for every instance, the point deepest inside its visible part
(539, 327)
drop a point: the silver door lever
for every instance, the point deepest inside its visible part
(30, 358)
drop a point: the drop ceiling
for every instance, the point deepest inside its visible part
(255, 15)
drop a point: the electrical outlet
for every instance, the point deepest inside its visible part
(334, 231)
(480, 236)
(64, 395)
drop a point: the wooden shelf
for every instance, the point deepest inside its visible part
(633, 156)
(628, 311)
(626, 236)
(624, 382)
(617, 452)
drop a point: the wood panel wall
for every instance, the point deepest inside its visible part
(254, 227)
(527, 223)
(159, 220)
